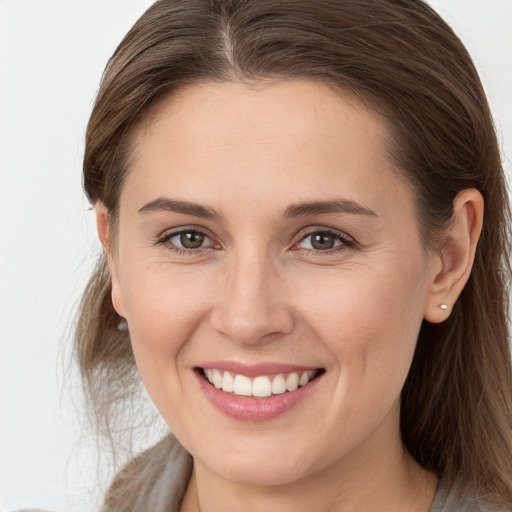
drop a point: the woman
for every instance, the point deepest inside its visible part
(291, 199)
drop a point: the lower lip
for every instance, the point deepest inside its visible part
(254, 409)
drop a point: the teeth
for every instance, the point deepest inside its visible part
(228, 382)
(304, 379)
(292, 382)
(261, 386)
(217, 379)
(278, 384)
(242, 386)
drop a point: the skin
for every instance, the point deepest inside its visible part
(256, 291)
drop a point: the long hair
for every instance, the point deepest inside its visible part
(403, 61)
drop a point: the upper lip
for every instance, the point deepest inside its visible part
(255, 369)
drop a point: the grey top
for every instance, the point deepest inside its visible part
(456, 500)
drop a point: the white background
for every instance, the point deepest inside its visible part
(52, 54)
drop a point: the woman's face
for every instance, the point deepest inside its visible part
(265, 238)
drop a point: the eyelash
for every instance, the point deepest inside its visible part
(345, 241)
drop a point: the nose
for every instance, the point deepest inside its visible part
(253, 304)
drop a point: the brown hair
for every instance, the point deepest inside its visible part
(404, 61)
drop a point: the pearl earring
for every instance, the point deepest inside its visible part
(444, 307)
(122, 325)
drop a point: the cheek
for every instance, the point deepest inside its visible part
(369, 323)
(366, 303)
(163, 310)
(369, 320)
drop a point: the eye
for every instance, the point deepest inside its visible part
(186, 239)
(324, 240)
(189, 239)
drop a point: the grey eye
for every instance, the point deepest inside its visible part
(190, 240)
(320, 241)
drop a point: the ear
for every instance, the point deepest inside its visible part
(104, 234)
(454, 258)
(102, 225)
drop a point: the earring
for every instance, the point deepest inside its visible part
(444, 307)
(122, 325)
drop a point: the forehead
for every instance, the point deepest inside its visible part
(265, 109)
(221, 139)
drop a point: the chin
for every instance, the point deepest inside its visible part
(260, 473)
(259, 465)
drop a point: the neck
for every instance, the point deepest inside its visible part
(377, 476)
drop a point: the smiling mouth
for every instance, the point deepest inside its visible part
(262, 386)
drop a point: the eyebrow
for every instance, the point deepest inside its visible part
(325, 207)
(176, 206)
(293, 211)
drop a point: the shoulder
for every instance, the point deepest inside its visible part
(154, 480)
